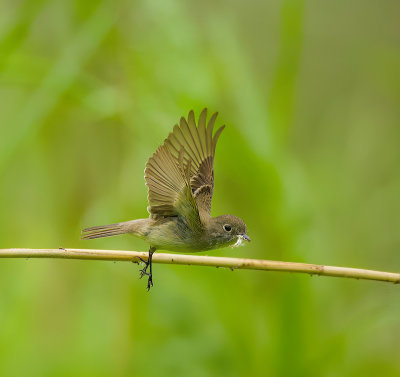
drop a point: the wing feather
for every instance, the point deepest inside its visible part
(169, 192)
(180, 175)
(199, 145)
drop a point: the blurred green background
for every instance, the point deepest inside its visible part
(310, 94)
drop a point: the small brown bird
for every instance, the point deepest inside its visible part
(180, 181)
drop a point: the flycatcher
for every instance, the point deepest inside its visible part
(180, 181)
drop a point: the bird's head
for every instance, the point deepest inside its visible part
(227, 230)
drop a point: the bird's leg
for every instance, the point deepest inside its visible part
(150, 279)
(148, 263)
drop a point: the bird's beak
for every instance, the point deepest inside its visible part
(246, 237)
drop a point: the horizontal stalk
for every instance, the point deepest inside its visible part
(203, 260)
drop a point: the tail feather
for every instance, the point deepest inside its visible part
(104, 231)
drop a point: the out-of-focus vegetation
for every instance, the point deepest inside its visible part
(310, 94)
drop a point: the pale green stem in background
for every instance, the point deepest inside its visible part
(202, 260)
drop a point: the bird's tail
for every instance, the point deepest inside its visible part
(136, 227)
(103, 231)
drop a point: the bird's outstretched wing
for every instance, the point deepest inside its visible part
(180, 175)
(169, 191)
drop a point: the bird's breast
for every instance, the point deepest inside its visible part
(174, 234)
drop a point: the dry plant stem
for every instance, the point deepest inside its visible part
(202, 260)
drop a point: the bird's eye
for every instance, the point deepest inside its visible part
(227, 227)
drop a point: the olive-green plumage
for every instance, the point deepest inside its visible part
(180, 181)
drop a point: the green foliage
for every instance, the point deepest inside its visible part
(309, 159)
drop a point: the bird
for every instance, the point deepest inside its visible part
(180, 181)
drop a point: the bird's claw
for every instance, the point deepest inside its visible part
(143, 272)
(146, 262)
(149, 282)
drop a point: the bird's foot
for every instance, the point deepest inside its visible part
(149, 282)
(147, 264)
(143, 271)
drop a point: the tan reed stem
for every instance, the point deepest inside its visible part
(203, 260)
